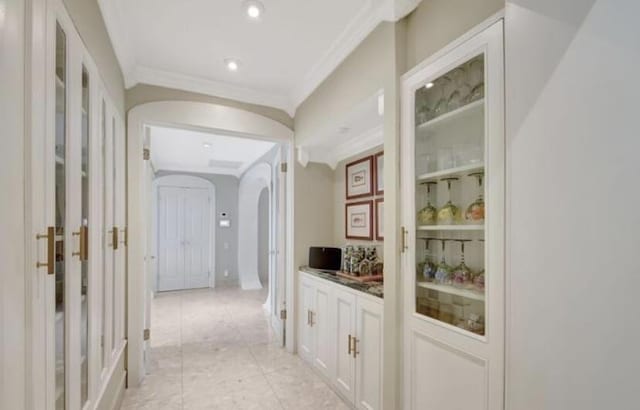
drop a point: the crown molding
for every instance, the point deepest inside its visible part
(362, 24)
(222, 89)
(122, 46)
(332, 155)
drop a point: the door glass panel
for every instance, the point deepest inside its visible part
(114, 263)
(60, 210)
(84, 285)
(105, 230)
(450, 181)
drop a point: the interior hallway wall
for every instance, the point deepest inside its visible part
(226, 238)
(87, 18)
(13, 298)
(263, 237)
(572, 212)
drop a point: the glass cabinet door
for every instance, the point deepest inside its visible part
(450, 196)
(60, 212)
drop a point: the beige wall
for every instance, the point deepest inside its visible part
(88, 20)
(313, 209)
(435, 23)
(144, 93)
(339, 201)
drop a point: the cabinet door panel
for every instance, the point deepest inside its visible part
(307, 342)
(368, 355)
(345, 325)
(320, 322)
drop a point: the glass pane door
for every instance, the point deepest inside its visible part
(450, 194)
(84, 232)
(60, 212)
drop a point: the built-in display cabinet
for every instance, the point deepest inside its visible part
(453, 225)
(79, 234)
(340, 335)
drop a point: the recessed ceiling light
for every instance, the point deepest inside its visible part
(254, 9)
(232, 64)
(206, 145)
(429, 85)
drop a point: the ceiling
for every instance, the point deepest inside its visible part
(175, 149)
(283, 57)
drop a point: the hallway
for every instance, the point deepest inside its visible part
(214, 349)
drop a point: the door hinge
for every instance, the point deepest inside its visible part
(283, 314)
(283, 167)
(146, 154)
(146, 334)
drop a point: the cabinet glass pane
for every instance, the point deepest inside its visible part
(84, 285)
(60, 210)
(449, 149)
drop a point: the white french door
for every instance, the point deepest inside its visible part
(76, 145)
(183, 238)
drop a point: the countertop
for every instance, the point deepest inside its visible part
(372, 288)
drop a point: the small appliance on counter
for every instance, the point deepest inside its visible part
(324, 258)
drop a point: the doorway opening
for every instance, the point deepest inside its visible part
(212, 204)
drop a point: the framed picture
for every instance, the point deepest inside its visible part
(359, 220)
(380, 219)
(379, 167)
(359, 178)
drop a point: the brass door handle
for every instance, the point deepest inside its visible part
(50, 236)
(84, 243)
(349, 345)
(79, 253)
(354, 349)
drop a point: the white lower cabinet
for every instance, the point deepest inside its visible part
(341, 336)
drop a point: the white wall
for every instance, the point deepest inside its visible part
(12, 234)
(573, 98)
(252, 183)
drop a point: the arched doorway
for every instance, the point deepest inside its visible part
(206, 117)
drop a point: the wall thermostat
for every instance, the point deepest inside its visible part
(223, 214)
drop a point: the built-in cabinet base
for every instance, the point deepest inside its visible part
(340, 334)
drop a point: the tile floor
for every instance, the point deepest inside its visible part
(214, 349)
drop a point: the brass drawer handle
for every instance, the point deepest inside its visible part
(349, 345)
(50, 236)
(404, 239)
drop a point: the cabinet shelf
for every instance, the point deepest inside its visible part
(450, 228)
(458, 114)
(463, 170)
(465, 293)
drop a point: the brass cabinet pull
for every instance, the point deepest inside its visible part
(50, 236)
(84, 243)
(404, 239)
(354, 349)
(114, 238)
(349, 345)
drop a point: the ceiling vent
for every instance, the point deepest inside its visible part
(214, 163)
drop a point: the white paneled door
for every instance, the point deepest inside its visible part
(183, 238)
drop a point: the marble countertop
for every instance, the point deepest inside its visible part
(372, 288)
